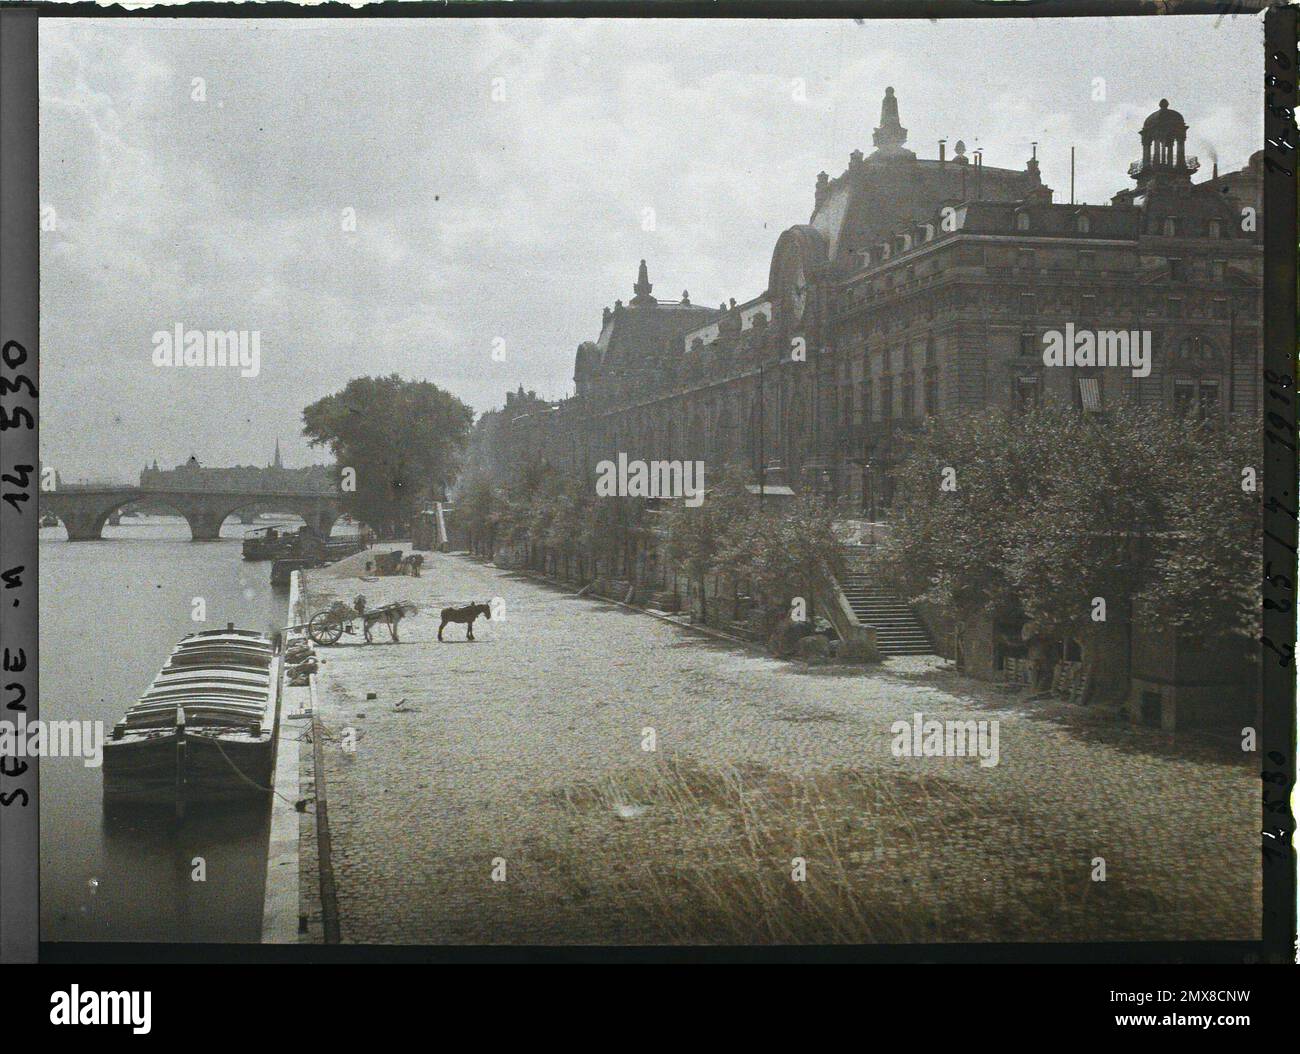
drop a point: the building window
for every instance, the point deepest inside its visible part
(887, 399)
(1176, 269)
(1028, 304)
(1087, 259)
(1219, 308)
(1175, 307)
(867, 413)
(1089, 306)
(931, 390)
(1219, 269)
(929, 351)
(1214, 230)
(1026, 392)
(909, 395)
(1184, 397)
(1083, 223)
(1169, 228)
(1028, 343)
(1022, 221)
(1025, 259)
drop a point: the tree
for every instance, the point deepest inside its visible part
(477, 508)
(697, 535)
(784, 553)
(1069, 522)
(572, 522)
(1206, 568)
(400, 439)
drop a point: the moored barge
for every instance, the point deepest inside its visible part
(204, 729)
(286, 543)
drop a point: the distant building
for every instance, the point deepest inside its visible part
(921, 287)
(274, 478)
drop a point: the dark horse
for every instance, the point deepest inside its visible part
(465, 615)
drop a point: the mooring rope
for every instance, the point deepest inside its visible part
(216, 742)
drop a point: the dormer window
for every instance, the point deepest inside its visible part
(1082, 223)
(929, 232)
(1022, 221)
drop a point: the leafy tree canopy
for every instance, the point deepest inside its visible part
(401, 439)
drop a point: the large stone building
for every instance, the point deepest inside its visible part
(923, 287)
(273, 479)
(918, 287)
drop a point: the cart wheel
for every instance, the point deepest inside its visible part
(324, 628)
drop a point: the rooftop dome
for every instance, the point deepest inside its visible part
(1164, 121)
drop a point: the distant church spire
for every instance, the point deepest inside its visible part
(277, 463)
(643, 287)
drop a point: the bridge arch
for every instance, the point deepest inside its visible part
(84, 512)
(83, 515)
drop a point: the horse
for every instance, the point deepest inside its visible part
(411, 565)
(466, 616)
(390, 615)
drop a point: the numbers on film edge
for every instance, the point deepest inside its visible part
(15, 490)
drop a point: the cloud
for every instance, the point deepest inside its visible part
(480, 216)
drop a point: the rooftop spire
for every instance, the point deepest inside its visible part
(891, 135)
(643, 287)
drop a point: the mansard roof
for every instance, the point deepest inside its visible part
(633, 334)
(871, 200)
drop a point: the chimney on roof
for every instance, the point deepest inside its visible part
(823, 188)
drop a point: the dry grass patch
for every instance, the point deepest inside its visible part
(688, 853)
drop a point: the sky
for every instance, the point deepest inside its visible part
(456, 200)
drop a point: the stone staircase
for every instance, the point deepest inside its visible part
(898, 630)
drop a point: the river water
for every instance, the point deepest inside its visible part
(111, 611)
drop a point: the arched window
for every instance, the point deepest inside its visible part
(1083, 223)
(1022, 221)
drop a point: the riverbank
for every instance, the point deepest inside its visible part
(281, 905)
(581, 773)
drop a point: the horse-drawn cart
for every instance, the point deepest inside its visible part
(328, 626)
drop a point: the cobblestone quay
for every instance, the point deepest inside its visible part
(499, 791)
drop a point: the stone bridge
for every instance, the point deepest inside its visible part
(84, 510)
